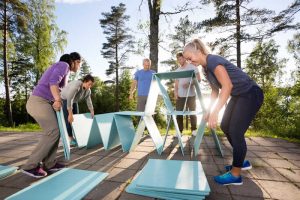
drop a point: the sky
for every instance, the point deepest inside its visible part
(80, 18)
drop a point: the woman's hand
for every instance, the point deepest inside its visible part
(56, 105)
(213, 119)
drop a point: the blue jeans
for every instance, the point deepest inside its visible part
(237, 118)
(66, 113)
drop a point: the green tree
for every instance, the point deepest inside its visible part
(155, 12)
(13, 17)
(263, 64)
(43, 37)
(236, 21)
(125, 83)
(119, 43)
(85, 68)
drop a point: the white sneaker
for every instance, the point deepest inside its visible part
(194, 132)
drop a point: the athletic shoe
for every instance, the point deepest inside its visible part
(246, 166)
(37, 172)
(56, 167)
(228, 179)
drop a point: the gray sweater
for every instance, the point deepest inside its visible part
(73, 92)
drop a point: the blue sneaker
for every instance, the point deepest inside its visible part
(73, 143)
(246, 166)
(228, 179)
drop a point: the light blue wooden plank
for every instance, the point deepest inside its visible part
(63, 134)
(114, 138)
(161, 195)
(94, 136)
(6, 171)
(217, 142)
(154, 133)
(185, 177)
(126, 130)
(107, 129)
(67, 184)
(165, 96)
(175, 75)
(199, 136)
(130, 113)
(138, 134)
(152, 97)
(82, 126)
(178, 133)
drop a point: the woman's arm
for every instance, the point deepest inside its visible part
(223, 78)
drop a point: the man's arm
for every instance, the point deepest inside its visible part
(132, 89)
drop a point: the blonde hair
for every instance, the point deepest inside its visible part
(196, 45)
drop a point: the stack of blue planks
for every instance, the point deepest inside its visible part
(171, 179)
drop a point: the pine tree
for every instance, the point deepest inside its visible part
(263, 65)
(13, 17)
(119, 42)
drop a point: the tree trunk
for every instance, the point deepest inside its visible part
(238, 34)
(6, 78)
(117, 103)
(154, 10)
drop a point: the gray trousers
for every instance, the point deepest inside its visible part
(45, 151)
(191, 106)
(141, 103)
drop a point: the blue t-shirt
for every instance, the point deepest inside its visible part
(143, 78)
(240, 80)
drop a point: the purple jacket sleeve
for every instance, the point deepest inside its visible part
(60, 70)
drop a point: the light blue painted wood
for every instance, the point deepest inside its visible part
(175, 75)
(138, 134)
(217, 142)
(154, 133)
(63, 134)
(130, 113)
(82, 126)
(66, 184)
(94, 136)
(6, 171)
(178, 133)
(199, 136)
(152, 97)
(126, 130)
(165, 96)
(184, 177)
(107, 129)
(132, 188)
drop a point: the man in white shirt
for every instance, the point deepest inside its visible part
(181, 92)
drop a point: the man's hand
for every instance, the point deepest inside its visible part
(70, 118)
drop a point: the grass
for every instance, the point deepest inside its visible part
(250, 133)
(29, 127)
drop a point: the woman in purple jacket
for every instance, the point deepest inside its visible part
(41, 105)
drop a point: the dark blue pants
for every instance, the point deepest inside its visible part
(237, 118)
(66, 113)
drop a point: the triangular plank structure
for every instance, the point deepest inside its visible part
(6, 171)
(82, 128)
(63, 134)
(171, 179)
(106, 132)
(157, 78)
(66, 184)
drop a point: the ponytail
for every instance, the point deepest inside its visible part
(196, 45)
